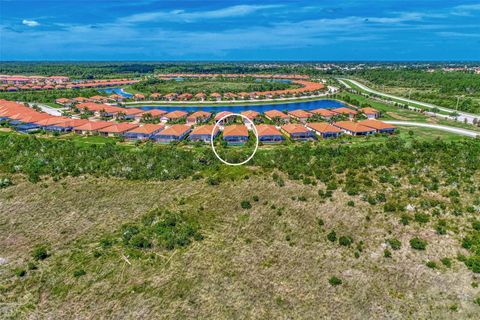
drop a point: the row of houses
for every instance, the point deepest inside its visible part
(25, 119)
(18, 84)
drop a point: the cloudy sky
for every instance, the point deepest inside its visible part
(239, 30)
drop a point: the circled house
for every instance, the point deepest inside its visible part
(354, 128)
(379, 126)
(276, 116)
(297, 132)
(324, 130)
(300, 115)
(176, 132)
(144, 132)
(236, 134)
(117, 129)
(268, 134)
(203, 133)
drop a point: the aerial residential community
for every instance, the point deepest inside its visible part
(239, 160)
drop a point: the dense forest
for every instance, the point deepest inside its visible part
(49, 96)
(100, 70)
(441, 88)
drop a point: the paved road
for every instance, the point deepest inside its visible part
(462, 115)
(460, 131)
(49, 110)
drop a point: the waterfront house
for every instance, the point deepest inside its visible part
(354, 128)
(170, 96)
(185, 97)
(268, 133)
(236, 134)
(132, 113)
(277, 116)
(222, 114)
(144, 132)
(203, 133)
(370, 112)
(300, 115)
(153, 113)
(200, 96)
(346, 112)
(198, 117)
(297, 132)
(324, 113)
(155, 96)
(176, 116)
(216, 96)
(324, 130)
(379, 126)
(138, 97)
(173, 133)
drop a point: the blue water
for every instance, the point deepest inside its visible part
(118, 91)
(309, 105)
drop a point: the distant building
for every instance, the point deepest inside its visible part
(354, 128)
(323, 129)
(298, 132)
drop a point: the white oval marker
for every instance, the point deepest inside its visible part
(215, 127)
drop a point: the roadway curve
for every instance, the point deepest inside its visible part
(463, 115)
(460, 131)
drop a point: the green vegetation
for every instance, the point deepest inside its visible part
(49, 96)
(208, 86)
(440, 88)
(418, 244)
(334, 281)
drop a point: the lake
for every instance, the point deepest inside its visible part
(307, 105)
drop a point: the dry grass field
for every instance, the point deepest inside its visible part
(272, 260)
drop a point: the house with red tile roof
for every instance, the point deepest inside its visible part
(300, 115)
(154, 113)
(324, 113)
(68, 125)
(185, 97)
(268, 133)
(155, 96)
(370, 112)
(173, 133)
(64, 102)
(117, 129)
(324, 129)
(138, 96)
(132, 113)
(198, 117)
(91, 127)
(80, 99)
(216, 96)
(276, 115)
(222, 114)
(354, 128)
(144, 132)
(297, 132)
(203, 133)
(170, 96)
(98, 99)
(379, 126)
(200, 96)
(236, 134)
(176, 115)
(346, 112)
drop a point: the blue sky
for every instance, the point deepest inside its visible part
(239, 30)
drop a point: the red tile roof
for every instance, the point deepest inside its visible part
(275, 114)
(294, 128)
(352, 126)
(344, 110)
(205, 129)
(222, 114)
(323, 127)
(93, 126)
(323, 112)
(235, 130)
(250, 114)
(148, 128)
(300, 114)
(177, 114)
(268, 130)
(118, 128)
(175, 130)
(376, 124)
(369, 110)
(155, 112)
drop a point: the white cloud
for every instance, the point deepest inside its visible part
(465, 10)
(30, 23)
(184, 16)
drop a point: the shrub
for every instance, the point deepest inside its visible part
(446, 262)
(255, 198)
(245, 204)
(20, 273)
(334, 281)
(387, 253)
(476, 225)
(213, 181)
(5, 182)
(422, 217)
(332, 236)
(418, 244)
(473, 263)
(441, 227)
(320, 222)
(345, 241)
(431, 265)
(351, 203)
(40, 253)
(79, 272)
(477, 301)
(395, 244)
(405, 219)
